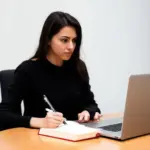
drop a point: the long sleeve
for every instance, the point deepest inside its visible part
(9, 118)
(89, 103)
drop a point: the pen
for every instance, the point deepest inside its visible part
(52, 108)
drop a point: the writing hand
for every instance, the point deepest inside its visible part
(52, 120)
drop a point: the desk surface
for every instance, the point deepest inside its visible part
(28, 139)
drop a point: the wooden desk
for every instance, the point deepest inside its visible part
(28, 139)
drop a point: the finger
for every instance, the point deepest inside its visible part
(58, 114)
(97, 116)
(53, 121)
(86, 117)
(58, 118)
(49, 114)
(54, 113)
(80, 117)
(55, 117)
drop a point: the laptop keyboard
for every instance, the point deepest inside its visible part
(114, 127)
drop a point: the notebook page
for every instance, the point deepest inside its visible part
(74, 128)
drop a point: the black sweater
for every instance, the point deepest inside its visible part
(64, 88)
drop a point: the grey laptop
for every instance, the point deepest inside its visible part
(136, 119)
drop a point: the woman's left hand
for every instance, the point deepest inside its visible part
(84, 116)
(97, 116)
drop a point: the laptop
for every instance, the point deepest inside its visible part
(136, 119)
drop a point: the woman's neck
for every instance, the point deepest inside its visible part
(54, 60)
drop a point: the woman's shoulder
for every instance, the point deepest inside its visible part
(26, 65)
(82, 70)
(82, 66)
(82, 63)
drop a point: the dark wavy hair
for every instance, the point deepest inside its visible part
(53, 24)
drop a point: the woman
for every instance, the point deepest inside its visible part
(56, 71)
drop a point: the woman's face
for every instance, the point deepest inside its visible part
(63, 44)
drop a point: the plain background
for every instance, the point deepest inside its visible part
(116, 40)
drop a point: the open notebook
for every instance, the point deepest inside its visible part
(73, 131)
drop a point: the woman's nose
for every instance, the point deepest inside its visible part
(71, 45)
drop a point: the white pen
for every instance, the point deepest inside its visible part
(52, 108)
(48, 102)
(49, 110)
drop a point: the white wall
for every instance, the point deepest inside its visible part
(116, 36)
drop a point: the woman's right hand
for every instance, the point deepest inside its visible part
(52, 120)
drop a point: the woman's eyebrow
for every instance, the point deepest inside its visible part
(68, 37)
